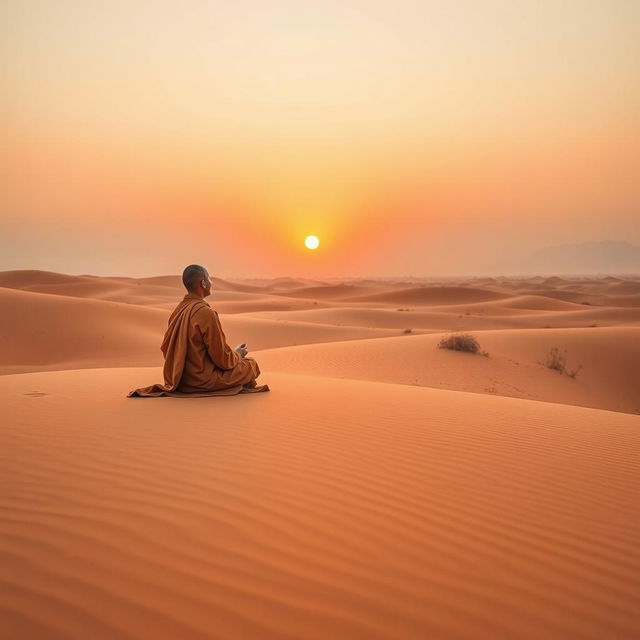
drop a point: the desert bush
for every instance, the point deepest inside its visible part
(460, 342)
(557, 360)
(407, 331)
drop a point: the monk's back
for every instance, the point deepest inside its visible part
(210, 364)
(199, 369)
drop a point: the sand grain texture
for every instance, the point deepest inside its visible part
(323, 509)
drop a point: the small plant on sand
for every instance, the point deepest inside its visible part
(461, 342)
(407, 331)
(557, 360)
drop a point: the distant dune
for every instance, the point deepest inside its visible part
(336, 292)
(283, 283)
(44, 331)
(474, 316)
(431, 296)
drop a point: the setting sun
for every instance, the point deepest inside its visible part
(311, 242)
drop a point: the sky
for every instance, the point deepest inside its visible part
(412, 137)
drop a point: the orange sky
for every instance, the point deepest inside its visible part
(414, 138)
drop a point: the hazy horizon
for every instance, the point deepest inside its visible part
(413, 139)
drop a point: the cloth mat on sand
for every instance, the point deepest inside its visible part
(156, 391)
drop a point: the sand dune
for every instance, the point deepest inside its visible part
(531, 303)
(467, 317)
(43, 331)
(515, 305)
(93, 321)
(608, 379)
(284, 284)
(175, 282)
(432, 296)
(414, 319)
(384, 488)
(399, 517)
(39, 330)
(265, 303)
(337, 291)
(294, 283)
(266, 334)
(118, 289)
(624, 301)
(512, 304)
(22, 278)
(583, 298)
(624, 288)
(145, 291)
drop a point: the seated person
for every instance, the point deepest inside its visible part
(198, 360)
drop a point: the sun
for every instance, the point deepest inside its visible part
(311, 242)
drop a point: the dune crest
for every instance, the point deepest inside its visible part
(607, 361)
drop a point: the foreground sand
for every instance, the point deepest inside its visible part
(384, 488)
(324, 509)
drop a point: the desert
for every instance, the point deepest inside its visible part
(383, 488)
(320, 320)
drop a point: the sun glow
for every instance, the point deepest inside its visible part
(311, 242)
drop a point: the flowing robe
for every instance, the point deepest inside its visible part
(197, 359)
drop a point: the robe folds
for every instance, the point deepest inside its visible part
(197, 359)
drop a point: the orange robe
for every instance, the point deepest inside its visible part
(197, 359)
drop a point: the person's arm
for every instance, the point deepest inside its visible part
(216, 342)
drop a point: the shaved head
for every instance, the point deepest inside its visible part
(192, 275)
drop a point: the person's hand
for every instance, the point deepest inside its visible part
(242, 350)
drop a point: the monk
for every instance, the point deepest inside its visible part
(197, 359)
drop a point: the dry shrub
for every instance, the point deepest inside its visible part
(557, 360)
(461, 342)
(407, 331)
